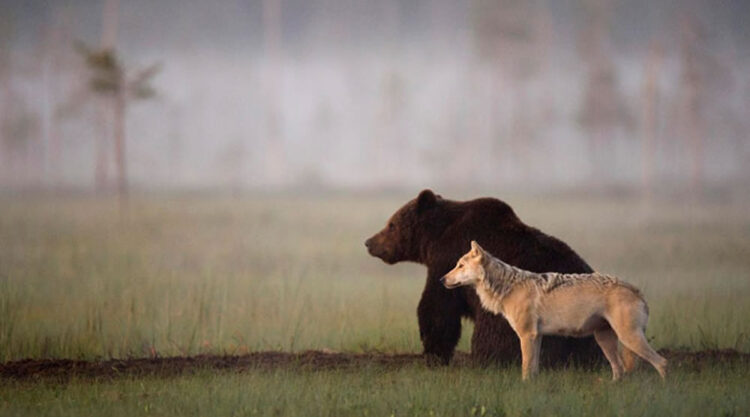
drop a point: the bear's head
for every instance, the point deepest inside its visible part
(405, 232)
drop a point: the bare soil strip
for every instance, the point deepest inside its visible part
(65, 369)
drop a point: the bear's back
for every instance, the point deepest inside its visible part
(495, 226)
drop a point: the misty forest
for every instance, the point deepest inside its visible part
(642, 94)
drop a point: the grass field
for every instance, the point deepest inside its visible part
(412, 390)
(191, 274)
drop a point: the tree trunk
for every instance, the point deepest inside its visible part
(649, 130)
(108, 40)
(275, 160)
(692, 96)
(101, 171)
(119, 125)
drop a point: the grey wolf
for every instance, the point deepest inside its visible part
(575, 305)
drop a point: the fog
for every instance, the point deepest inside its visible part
(378, 94)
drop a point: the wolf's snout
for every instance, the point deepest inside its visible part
(448, 285)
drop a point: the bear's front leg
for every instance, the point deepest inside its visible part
(439, 314)
(493, 340)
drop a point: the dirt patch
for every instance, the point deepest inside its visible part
(64, 369)
(700, 359)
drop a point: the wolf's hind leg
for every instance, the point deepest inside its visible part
(635, 340)
(607, 340)
(629, 359)
(628, 319)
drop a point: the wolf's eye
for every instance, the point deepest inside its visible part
(390, 226)
(460, 266)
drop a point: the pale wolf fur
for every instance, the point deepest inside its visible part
(560, 304)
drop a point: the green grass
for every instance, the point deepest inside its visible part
(186, 275)
(373, 391)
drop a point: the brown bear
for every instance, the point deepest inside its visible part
(435, 232)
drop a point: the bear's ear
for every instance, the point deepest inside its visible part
(425, 200)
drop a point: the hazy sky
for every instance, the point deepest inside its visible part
(378, 92)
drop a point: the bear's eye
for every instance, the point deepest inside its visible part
(390, 226)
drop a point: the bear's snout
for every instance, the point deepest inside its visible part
(376, 248)
(373, 248)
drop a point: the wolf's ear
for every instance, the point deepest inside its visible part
(426, 200)
(476, 249)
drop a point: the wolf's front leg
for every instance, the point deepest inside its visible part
(530, 347)
(537, 354)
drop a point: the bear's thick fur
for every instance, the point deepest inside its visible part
(435, 232)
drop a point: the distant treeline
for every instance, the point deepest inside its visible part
(391, 93)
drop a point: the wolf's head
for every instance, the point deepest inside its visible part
(469, 270)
